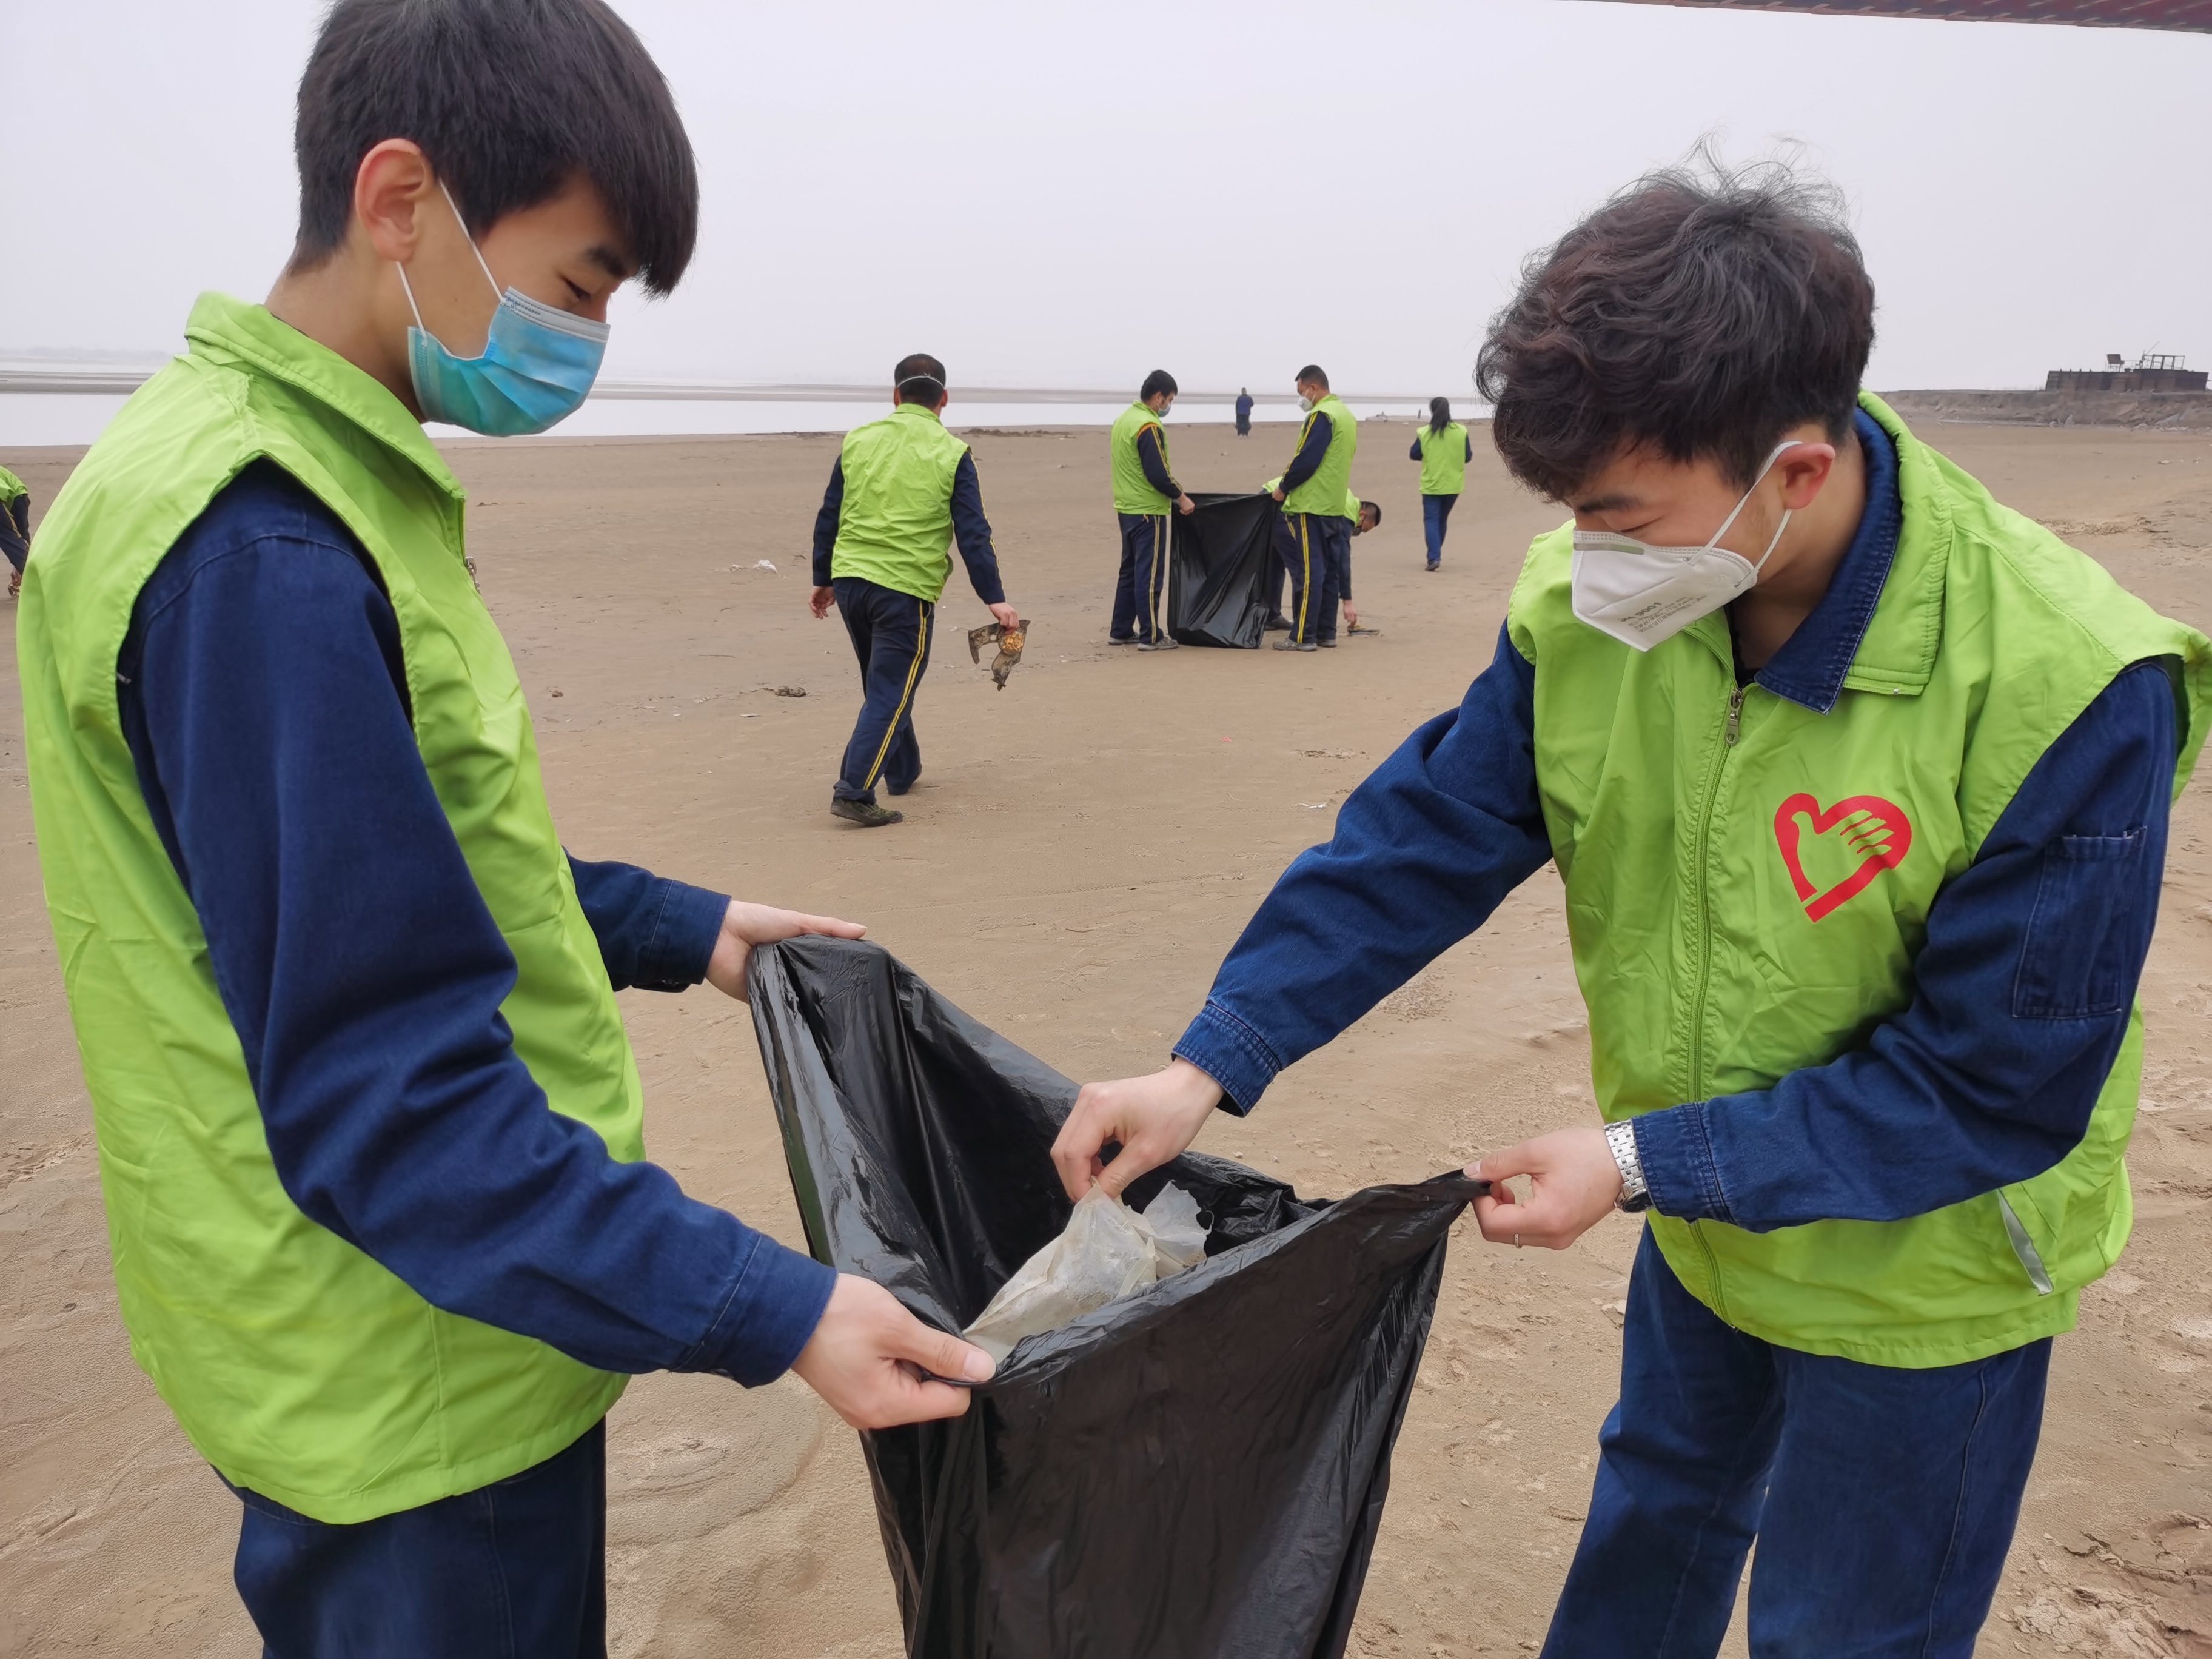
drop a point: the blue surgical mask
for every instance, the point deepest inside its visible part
(537, 366)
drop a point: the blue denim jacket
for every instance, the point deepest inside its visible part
(264, 698)
(1963, 1093)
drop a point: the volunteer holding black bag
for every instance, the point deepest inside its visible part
(1858, 785)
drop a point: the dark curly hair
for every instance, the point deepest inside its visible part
(1701, 313)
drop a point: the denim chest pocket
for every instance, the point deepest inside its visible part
(2084, 934)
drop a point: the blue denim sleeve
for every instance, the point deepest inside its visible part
(972, 530)
(1425, 850)
(2021, 1000)
(1313, 444)
(263, 691)
(1414, 454)
(654, 934)
(1155, 464)
(825, 522)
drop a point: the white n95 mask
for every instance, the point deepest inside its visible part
(1641, 594)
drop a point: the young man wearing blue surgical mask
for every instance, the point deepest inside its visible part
(370, 1129)
(1858, 784)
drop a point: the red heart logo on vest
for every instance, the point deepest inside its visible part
(1874, 830)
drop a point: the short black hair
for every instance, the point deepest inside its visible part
(509, 100)
(1158, 381)
(1701, 313)
(1376, 508)
(923, 374)
(1311, 371)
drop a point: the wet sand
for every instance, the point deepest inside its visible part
(1082, 850)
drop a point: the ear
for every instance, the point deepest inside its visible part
(1805, 471)
(943, 398)
(389, 189)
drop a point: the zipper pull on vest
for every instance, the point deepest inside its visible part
(1736, 716)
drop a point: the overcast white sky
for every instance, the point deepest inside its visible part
(1052, 194)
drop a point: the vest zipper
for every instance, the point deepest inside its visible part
(1729, 732)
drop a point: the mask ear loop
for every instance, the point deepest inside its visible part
(408, 288)
(1780, 450)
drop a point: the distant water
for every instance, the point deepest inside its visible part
(28, 419)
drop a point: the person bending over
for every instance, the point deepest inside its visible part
(371, 1133)
(1857, 783)
(900, 490)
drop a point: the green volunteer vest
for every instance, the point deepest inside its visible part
(1444, 459)
(1132, 491)
(1350, 509)
(10, 486)
(895, 526)
(1325, 492)
(1748, 883)
(296, 1365)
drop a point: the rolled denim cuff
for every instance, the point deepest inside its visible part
(1232, 1054)
(681, 942)
(775, 1302)
(1678, 1168)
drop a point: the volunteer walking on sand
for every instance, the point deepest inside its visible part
(1143, 490)
(1857, 783)
(900, 490)
(370, 1130)
(1443, 449)
(1313, 489)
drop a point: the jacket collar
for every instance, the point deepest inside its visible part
(1813, 663)
(220, 326)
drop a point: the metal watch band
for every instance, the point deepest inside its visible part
(1634, 1193)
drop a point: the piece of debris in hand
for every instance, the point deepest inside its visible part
(1009, 641)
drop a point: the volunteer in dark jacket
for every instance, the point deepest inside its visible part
(1858, 785)
(1143, 490)
(901, 488)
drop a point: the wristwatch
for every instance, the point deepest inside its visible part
(1634, 1194)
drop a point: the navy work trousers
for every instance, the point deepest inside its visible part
(1883, 1499)
(890, 634)
(1141, 591)
(15, 530)
(516, 1570)
(1317, 550)
(1435, 509)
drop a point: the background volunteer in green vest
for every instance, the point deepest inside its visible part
(1313, 491)
(900, 489)
(1143, 490)
(1443, 449)
(1858, 784)
(15, 527)
(1361, 516)
(369, 1127)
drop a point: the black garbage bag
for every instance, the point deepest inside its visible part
(1197, 1472)
(1218, 570)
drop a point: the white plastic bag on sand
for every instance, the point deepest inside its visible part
(1107, 1251)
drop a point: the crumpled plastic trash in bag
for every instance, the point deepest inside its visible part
(1107, 1251)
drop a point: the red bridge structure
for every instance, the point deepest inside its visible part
(2195, 15)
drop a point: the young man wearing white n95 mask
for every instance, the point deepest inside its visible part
(1857, 783)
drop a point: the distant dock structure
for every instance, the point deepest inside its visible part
(2151, 372)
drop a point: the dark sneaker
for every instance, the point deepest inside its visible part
(1121, 639)
(1165, 642)
(1325, 645)
(865, 813)
(1296, 645)
(1279, 624)
(1435, 564)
